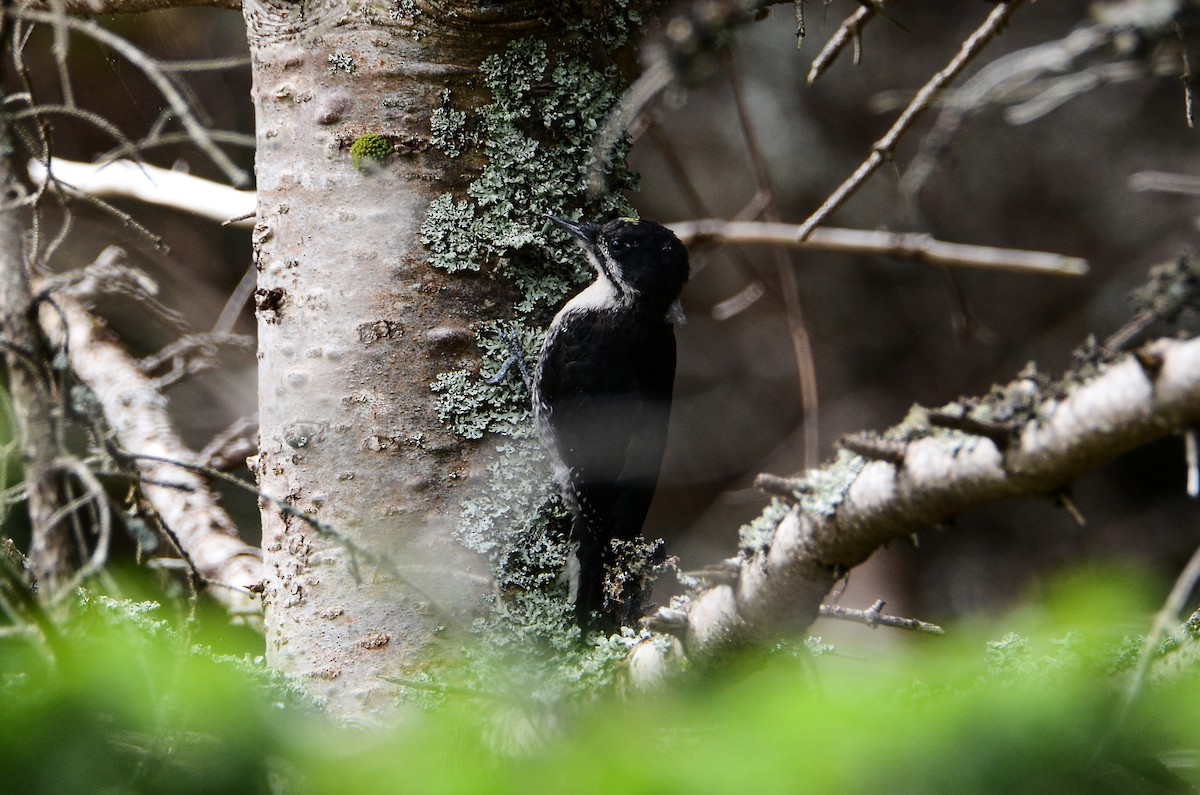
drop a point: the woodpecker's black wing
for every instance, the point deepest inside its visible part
(605, 388)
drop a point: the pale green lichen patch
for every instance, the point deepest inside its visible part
(827, 486)
(451, 233)
(507, 521)
(1172, 290)
(341, 62)
(471, 406)
(537, 134)
(404, 11)
(756, 535)
(449, 128)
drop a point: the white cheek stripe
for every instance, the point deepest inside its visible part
(611, 271)
(600, 294)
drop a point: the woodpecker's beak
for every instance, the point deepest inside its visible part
(585, 233)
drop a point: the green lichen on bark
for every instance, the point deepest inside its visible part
(368, 152)
(537, 134)
(470, 406)
(546, 106)
(757, 534)
(448, 126)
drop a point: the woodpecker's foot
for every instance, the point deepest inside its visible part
(516, 356)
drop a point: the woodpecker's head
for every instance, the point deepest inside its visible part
(644, 261)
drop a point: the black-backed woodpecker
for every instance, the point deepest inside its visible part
(602, 399)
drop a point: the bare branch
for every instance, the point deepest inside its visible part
(851, 507)
(127, 179)
(884, 147)
(30, 386)
(1167, 615)
(103, 525)
(89, 7)
(136, 413)
(154, 72)
(789, 287)
(1165, 182)
(1185, 77)
(900, 245)
(1191, 450)
(849, 31)
(230, 448)
(874, 616)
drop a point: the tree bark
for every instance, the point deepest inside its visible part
(355, 326)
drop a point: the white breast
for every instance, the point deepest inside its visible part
(600, 294)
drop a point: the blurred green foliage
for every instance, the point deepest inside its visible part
(121, 701)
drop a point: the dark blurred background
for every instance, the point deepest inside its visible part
(886, 333)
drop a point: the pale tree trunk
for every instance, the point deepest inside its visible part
(354, 326)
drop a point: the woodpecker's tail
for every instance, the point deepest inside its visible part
(586, 574)
(607, 577)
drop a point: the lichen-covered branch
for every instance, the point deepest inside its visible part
(843, 512)
(136, 412)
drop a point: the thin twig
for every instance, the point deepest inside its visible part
(849, 31)
(148, 142)
(806, 368)
(95, 119)
(93, 7)
(1166, 616)
(874, 617)
(670, 157)
(636, 99)
(154, 72)
(236, 302)
(1191, 450)
(192, 345)
(206, 65)
(1014, 77)
(883, 148)
(103, 525)
(1186, 77)
(1165, 182)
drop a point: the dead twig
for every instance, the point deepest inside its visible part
(135, 411)
(874, 616)
(883, 148)
(152, 68)
(1166, 616)
(849, 32)
(789, 286)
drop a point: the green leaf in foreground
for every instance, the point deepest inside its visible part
(1031, 707)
